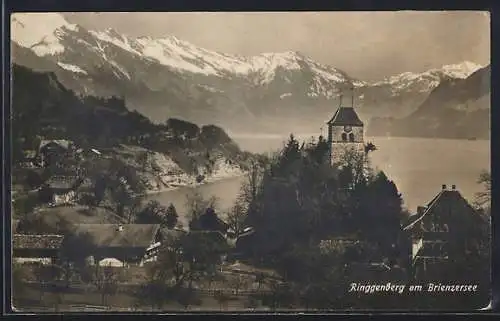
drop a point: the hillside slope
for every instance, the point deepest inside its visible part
(43, 107)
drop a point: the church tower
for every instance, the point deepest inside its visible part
(345, 131)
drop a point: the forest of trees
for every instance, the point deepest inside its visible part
(299, 201)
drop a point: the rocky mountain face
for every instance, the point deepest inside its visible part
(457, 108)
(168, 77)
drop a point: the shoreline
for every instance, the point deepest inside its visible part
(303, 135)
(194, 185)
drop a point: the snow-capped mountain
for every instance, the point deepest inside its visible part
(430, 79)
(456, 108)
(165, 77)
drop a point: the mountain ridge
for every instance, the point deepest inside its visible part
(457, 108)
(170, 77)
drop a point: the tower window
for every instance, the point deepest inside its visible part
(344, 137)
(351, 137)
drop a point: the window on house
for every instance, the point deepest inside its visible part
(351, 137)
(344, 136)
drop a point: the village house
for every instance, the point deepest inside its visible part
(51, 152)
(442, 232)
(27, 248)
(60, 189)
(126, 244)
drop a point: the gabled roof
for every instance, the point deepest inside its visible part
(39, 242)
(345, 116)
(444, 199)
(61, 142)
(412, 218)
(110, 235)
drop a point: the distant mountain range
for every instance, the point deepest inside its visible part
(457, 108)
(168, 77)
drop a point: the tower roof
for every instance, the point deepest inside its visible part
(345, 116)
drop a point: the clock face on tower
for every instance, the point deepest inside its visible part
(347, 128)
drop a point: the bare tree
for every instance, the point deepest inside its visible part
(253, 178)
(236, 217)
(483, 198)
(196, 204)
(357, 165)
(107, 282)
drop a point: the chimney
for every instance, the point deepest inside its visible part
(443, 186)
(453, 187)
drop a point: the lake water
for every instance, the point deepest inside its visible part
(418, 166)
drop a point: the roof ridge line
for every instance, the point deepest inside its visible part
(427, 209)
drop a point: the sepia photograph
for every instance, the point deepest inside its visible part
(167, 162)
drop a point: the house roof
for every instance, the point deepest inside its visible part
(445, 199)
(61, 142)
(88, 151)
(31, 241)
(411, 219)
(110, 235)
(62, 182)
(345, 116)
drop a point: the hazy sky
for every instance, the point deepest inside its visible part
(367, 45)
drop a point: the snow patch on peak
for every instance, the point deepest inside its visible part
(111, 36)
(461, 70)
(40, 31)
(431, 78)
(271, 61)
(72, 68)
